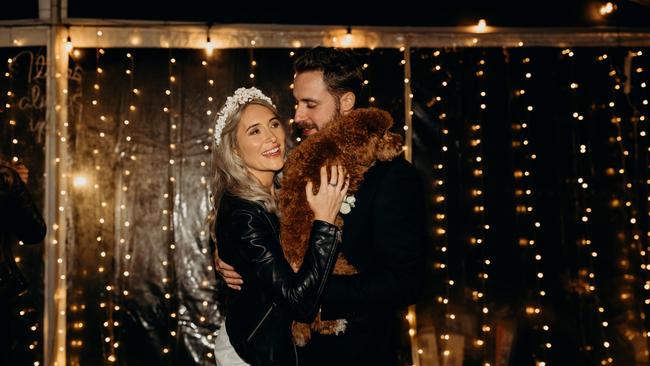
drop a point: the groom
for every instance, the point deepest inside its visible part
(384, 234)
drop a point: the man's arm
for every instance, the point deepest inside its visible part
(399, 230)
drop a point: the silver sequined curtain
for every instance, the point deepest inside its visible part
(142, 282)
(141, 286)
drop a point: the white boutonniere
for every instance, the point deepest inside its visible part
(347, 204)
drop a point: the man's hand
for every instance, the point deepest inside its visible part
(228, 273)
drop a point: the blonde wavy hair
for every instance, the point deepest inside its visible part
(230, 174)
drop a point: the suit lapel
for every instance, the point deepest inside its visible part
(357, 229)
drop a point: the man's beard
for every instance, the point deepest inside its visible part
(312, 126)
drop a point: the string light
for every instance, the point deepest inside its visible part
(293, 128)
(115, 295)
(630, 185)
(478, 234)
(168, 213)
(640, 118)
(586, 277)
(9, 111)
(436, 104)
(411, 317)
(408, 103)
(104, 273)
(526, 221)
(253, 63)
(205, 172)
(209, 46)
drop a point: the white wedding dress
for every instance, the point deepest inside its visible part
(224, 352)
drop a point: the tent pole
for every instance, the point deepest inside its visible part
(56, 178)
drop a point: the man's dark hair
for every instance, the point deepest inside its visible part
(341, 68)
(4, 161)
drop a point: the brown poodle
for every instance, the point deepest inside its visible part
(355, 141)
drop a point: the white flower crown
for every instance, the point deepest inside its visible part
(241, 97)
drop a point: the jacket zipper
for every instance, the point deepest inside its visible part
(257, 327)
(295, 354)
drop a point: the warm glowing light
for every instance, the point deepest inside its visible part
(80, 181)
(209, 47)
(68, 45)
(607, 9)
(346, 40)
(481, 26)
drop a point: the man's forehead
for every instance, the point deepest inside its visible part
(309, 86)
(308, 94)
(310, 77)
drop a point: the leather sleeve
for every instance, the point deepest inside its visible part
(399, 232)
(22, 216)
(259, 246)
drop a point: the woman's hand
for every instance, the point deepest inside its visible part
(327, 202)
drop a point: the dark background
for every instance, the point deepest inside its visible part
(551, 13)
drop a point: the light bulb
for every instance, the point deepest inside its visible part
(481, 27)
(68, 45)
(606, 9)
(80, 181)
(346, 41)
(209, 47)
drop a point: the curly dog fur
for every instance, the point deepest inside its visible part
(356, 141)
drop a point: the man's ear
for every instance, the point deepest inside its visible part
(347, 102)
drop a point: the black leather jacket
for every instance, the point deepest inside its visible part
(19, 219)
(259, 317)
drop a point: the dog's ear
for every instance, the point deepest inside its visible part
(389, 146)
(373, 120)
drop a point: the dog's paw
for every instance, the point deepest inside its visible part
(301, 333)
(329, 327)
(341, 326)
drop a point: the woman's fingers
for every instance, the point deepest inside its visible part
(344, 192)
(341, 180)
(333, 176)
(323, 178)
(326, 204)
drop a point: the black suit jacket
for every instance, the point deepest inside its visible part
(384, 237)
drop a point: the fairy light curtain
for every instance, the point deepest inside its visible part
(22, 122)
(142, 286)
(539, 153)
(565, 195)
